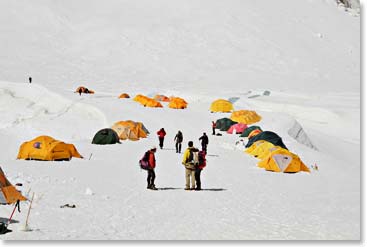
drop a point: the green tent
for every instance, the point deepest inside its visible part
(249, 129)
(106, 136)
(268, 136)
(224, 124)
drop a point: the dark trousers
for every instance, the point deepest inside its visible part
(161, 140)
(213, 131)
(151, 177)
(203, 147)
(178, 147)
(197, 178)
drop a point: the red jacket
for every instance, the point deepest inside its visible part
(151, 159)
(161, 133)
(214, 125)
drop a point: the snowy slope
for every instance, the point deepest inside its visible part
(296, 45)
(305, 53)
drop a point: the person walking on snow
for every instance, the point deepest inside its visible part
(189, 162)
(150, 157)
(213, 127)
(161, 134)
(30, 79)
(178, 140)
(204, 142)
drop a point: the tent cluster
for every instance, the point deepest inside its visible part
(264, 145)
(272, 152)
(174, 102)
(121, 130)
(84, 90)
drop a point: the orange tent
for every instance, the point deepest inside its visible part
(8, 193)
(84, 90)
(177, 103)
(47, 148)
(139, 97)
(146, 101)
(281, 160)
(245, 116)
(159, 97)
(130, 130)
(124, 96)
(152, 103)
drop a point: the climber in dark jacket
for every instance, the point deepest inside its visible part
(204, 142)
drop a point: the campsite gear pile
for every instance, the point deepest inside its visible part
(85, 90)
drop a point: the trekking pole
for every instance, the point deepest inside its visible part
(11, 216)
(26, 228)
(90, 156)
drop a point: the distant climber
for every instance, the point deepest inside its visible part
(204, 142)
(30, 79)
(161, 134)
(213, 127)
(178, 140)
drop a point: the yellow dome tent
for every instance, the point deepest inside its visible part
(221, 105)
(281, 160)
(8, 193)
(130, 130)
(261, 149)
(177, 103)
(245, 116)
(47, 148)
(124, 96)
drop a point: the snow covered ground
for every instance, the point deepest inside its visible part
(305, 53)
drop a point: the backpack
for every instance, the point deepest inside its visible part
(193, 157)
(201, 158)
(143, 162)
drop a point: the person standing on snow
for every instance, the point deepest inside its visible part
(199, 168)
(189, 163)
(204, 142)
(30, 79)
(178, 140)
(150, 157)
(213, 127)
(161, 134)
